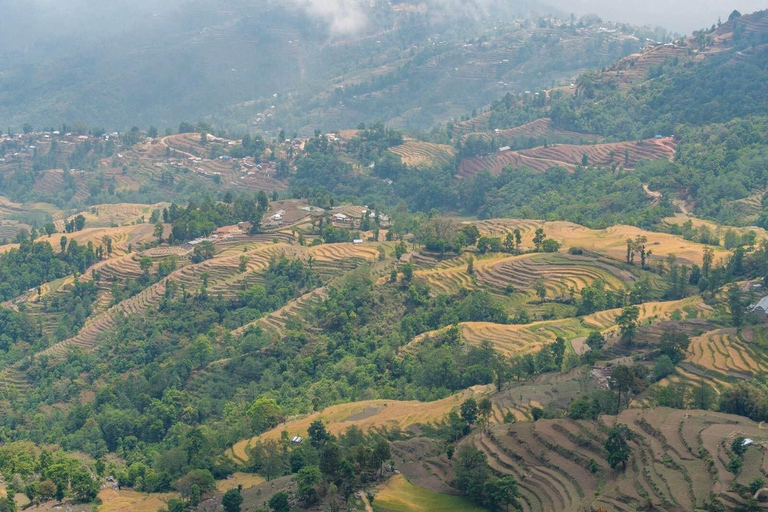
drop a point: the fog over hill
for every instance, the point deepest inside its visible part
(683, 16)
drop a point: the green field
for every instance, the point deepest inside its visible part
(399, 495)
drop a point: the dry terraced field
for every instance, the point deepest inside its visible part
(417, 153)
(668, 468)
(621, 154)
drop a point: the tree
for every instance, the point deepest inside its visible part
(63, 243)
(145, 263)
(550, 245)
(673, 344)
(279, 502)
(318, 435)
(407, 272)
(595, 340)
(616, 445)
(79, 222)
(469, 410)
(84, 487)
(538, 238)
(738, 447)
(471, 470)
(627, 322)
(330, 458)
(158, 232)
(243, 265)
(518, 238)
(471, 266)
(662, 367)
(484, 408)
(584, 160)
(400, 249)
(540, 290)
(639, 244)
(381, 453)
(107, 241)
(736, 305)
(500, 492)
(203, 251)
(306, 479)
(232, 500)
(630, 251)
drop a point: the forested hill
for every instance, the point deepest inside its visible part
(681, 127)
(265, 65)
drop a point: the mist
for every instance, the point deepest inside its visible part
(681, 16)
(25, 22)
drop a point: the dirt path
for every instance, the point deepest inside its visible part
(164, 142)
(368, 507)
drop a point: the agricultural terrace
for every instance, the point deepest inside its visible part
(569, 156)
(109, 215)
(668, 465)
(417, 153)
(223, 276)
(718, 229)
(366, 415)
(611, 241)
(538, 129)
(561, 274)
(121, 237)
(519, 339)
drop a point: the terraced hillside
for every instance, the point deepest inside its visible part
(222, 275)
(109, 215)
(722, 358)
(538, 129)
(610, 242)
(519, 339)
(669, 467)
(418, 153)
(366, 415)
(561, 274)
(569, 156)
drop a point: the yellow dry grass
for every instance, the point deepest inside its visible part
(520, 339)
(105, 215)
(610, 241)
(133, 501)
(245, 479)
(368, 414)
(416, 153)
(121, 237)
(680, 219)
(723, 351)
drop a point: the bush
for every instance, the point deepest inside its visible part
(550, 245)
(662, 367)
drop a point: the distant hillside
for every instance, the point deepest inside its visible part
(264, 65)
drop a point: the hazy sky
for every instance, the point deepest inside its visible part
(682, 16)
(22, 21)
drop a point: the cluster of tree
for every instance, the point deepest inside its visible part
(34, 263)
(196, 221)
(324, 465)
(74, 307)
(370, 143)
(43, 476)
(76, 224)
(250, 146)
(475, 479)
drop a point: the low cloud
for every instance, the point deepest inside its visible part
(344, 17)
